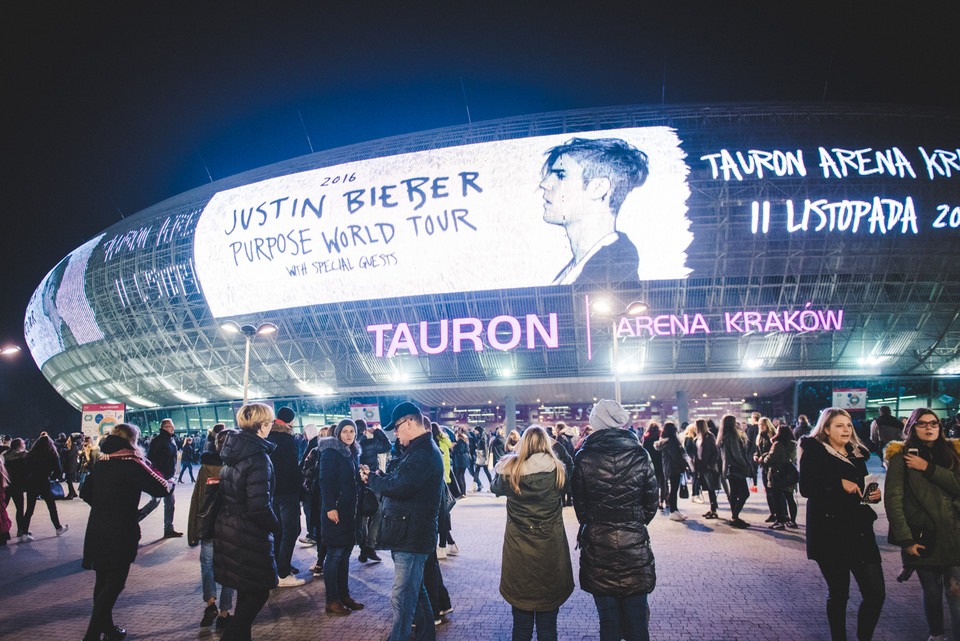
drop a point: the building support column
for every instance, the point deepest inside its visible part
(683, 408)
(510, 413)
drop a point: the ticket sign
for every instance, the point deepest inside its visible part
(369, 413)
(99, 418)
(852, 400)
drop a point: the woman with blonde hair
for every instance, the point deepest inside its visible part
(840, 538)
(513, 442)
(246, 524)
(536, 572)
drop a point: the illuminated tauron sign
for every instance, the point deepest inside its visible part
(503, 333)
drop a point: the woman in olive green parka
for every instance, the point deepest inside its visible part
(536, 573)
(922, 498)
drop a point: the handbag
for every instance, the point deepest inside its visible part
(207, 515)
(783, 476)
(368, 502)
(448, 500)
(481, 458)
(56, 490)
(684, 491)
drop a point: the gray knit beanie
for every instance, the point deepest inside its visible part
(607, 413)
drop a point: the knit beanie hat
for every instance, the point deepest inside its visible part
(606, 414)
(342, 424)
(286, 414)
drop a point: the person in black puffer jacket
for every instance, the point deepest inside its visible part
(338, 477)
(615, 495)
(110, 545)
(245, 527)
(840, 538)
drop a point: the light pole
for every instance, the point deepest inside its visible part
(603, 307)
(249, 331)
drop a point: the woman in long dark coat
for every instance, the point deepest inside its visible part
(246, 524)
(338, 476)
(840, 538)
(113, 530)
(43, 465)
(536, 574)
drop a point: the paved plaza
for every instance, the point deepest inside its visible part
(714, 583)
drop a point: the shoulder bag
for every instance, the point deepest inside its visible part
(368, 502)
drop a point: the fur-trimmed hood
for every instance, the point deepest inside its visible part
(896, 447)
(333, 443)
(281, 427)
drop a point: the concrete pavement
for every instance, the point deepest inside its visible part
(715, 583)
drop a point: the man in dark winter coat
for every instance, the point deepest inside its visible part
(411, 504)
(286, 501)
(246, 525)
(498, 445)
(615, 495)
(373, 442)
(163, 457)
(885, 428)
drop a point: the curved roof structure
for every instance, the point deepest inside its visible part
(775, 242)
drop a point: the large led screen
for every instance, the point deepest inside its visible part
(531, 212)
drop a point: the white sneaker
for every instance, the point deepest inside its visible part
(61, 530)
(290, 581)
(697, 499)
(677, 516)
(938, 637)
(453, 550)
(26, 538)
(441, 552)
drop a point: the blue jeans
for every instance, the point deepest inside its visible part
(336, 570)
(933, 580)
(523, 622)
(409, 598)
(287, 507)
(206, 578)
(625, 618)
(168, 504)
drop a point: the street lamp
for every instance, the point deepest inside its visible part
(249, 331)
(604, 307)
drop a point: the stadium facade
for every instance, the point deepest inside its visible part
(786, 252)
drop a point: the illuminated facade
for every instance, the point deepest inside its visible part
(773, 244)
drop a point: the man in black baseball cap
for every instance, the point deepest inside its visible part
(408, 528)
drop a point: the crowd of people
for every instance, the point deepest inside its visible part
(356, 488)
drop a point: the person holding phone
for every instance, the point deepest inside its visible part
(840, 538)
(922, 489)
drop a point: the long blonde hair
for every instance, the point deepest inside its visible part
(826, 417)
(534, 440)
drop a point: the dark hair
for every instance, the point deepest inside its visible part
(43, 445)
(222, 436)
(784, 433)
(669, 430)
(728, 426)
(361, 425)
(623, 164)
(943, 453)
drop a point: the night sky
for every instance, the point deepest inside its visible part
(108, 110)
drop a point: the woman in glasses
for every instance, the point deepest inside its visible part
(922, 496)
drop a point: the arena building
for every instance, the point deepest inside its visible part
(693, 260)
